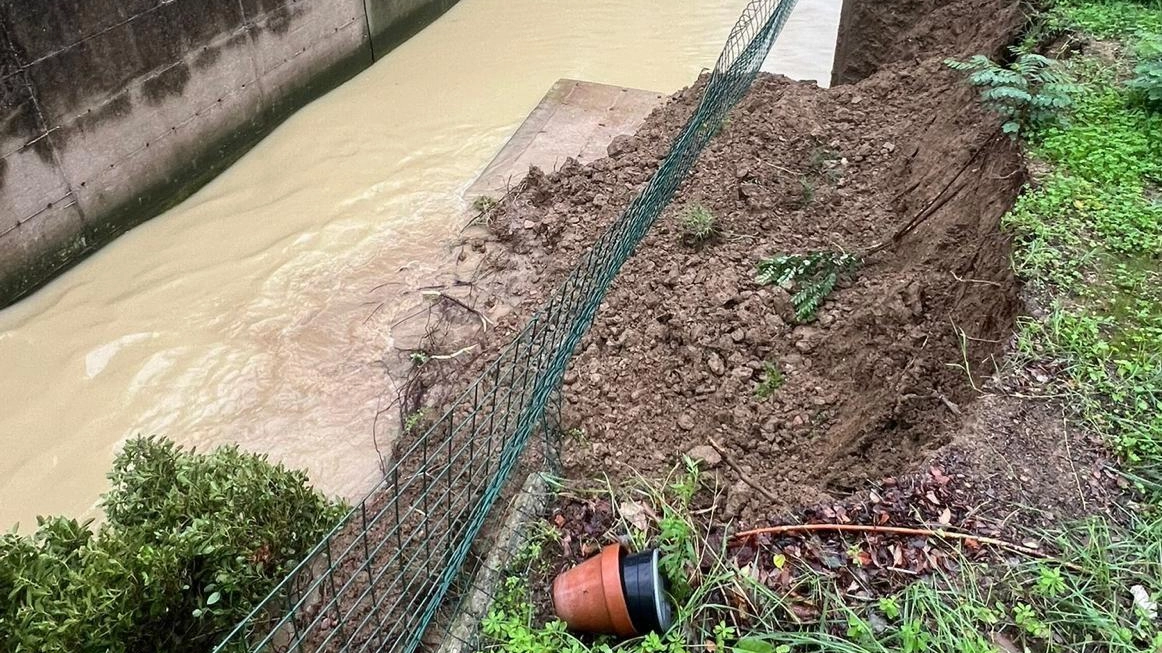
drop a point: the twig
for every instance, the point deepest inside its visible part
(934, 205)
(1069, 456)
(377, 309)
(726, 457)
(446, 357)
(982, 281)
(484, 321)
(947, 403)
(893, 530)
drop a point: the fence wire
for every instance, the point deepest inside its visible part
(379, 578)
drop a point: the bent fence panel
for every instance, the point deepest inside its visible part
(376, 581)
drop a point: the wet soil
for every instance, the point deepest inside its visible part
(889, 377)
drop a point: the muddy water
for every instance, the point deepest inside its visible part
(259, 310)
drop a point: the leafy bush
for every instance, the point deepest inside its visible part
(192, 543)
(1031, 92)
(1148, 83)
(811, 277)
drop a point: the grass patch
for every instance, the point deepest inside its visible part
(1088, 238)
(699, 225)
(1100, 594)
(1106, 19)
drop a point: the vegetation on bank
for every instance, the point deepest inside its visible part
(191, 543)
(1088, 241)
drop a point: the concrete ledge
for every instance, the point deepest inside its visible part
(575, 119)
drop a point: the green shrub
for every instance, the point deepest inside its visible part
(192, 543)
(1148, 83)
(1031, 92)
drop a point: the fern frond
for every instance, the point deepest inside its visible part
(1002, 93)
(814, 274)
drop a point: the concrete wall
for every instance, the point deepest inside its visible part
(112, 111)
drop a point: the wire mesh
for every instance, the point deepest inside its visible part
(377, 580)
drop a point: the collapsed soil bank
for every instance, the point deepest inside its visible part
(899, 369)
(888, 374)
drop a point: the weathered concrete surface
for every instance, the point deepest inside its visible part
(391, 22)
(575, 119)
(112, 111)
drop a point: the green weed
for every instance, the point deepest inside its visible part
(699, 225)
(1105, 19)
(806, 192)
(1087, 237)
(484, 204)
(1148, 83)
(771, 380)
(414, 420)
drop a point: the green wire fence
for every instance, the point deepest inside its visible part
(377, 581)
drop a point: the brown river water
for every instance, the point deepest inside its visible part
(258, 311)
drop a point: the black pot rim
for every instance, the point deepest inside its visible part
(645, 592)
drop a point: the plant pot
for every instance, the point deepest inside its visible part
(589, 597)
(613, 593)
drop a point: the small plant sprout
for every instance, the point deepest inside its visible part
(412, 421)
(698, 225)
(771, 380)
(484, 203)
(811, 277)
(806, 192)
(419, 358)
(890, 607)
(1031, 92)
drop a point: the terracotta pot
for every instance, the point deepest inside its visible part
(590, 597)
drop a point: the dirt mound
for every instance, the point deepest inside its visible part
(884, 376)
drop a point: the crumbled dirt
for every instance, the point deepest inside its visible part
(889, 376)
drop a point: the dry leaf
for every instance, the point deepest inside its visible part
(636, 514)
(804, 612)
(946, 517)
